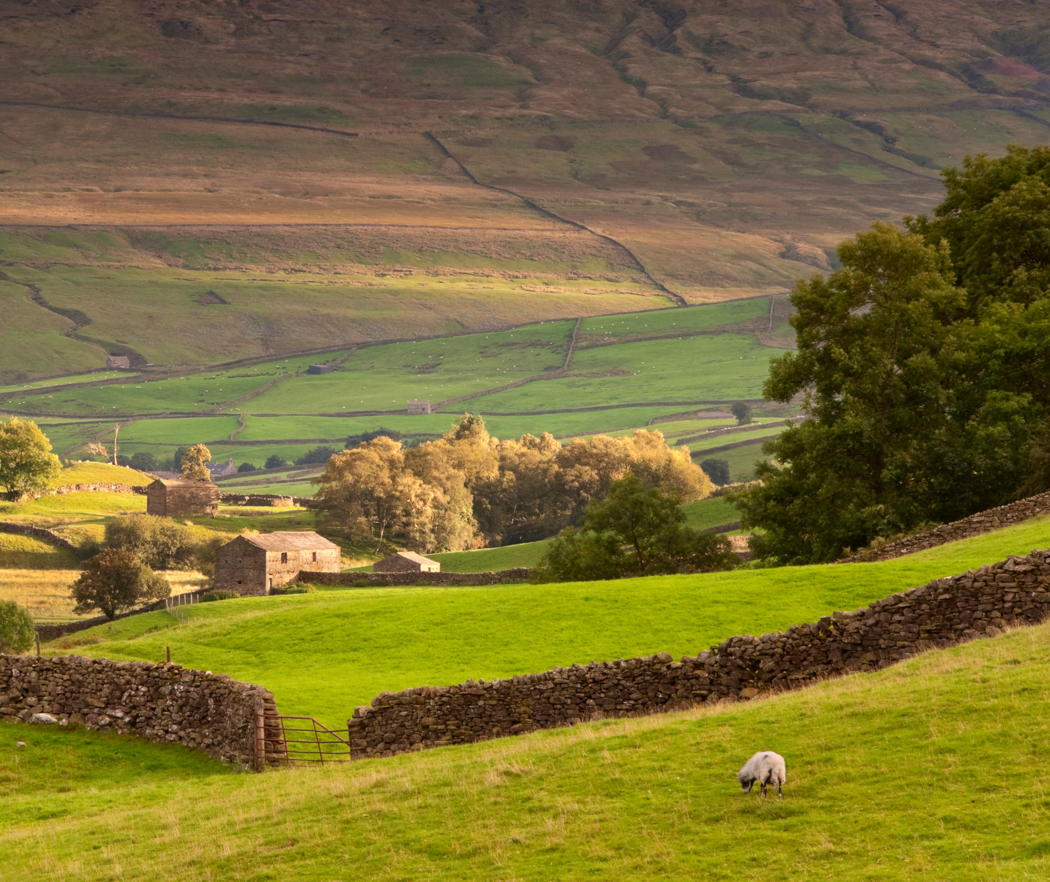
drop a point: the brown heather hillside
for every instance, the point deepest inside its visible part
(555, 158)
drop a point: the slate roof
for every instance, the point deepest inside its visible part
(289, 540)
(412, 556)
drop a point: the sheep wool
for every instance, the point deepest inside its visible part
(766, 768)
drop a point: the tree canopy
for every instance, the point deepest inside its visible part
(467, 489)
(636, 531)
(925, 372)
(115, 580)
(195, 463)
(27, 464)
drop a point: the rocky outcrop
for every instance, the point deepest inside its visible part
(944, 612)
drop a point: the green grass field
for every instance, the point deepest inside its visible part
(921, 771)
(299, 646)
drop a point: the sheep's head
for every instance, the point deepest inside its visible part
(746, 784)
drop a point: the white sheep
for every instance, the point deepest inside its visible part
(765, 767)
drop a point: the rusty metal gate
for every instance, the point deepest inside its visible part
(304, 740)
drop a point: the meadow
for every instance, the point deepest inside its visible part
(297, 645)
(251, 412)
(938, 751)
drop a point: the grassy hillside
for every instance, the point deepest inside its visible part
(300, 646)
(631, 365)
(922, 771)
(293, 180)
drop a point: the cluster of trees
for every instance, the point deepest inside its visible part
(467, 489)
(925, 366)
(635, 531)
(122, 575)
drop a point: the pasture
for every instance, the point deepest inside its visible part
(616, 798)
(406, 637)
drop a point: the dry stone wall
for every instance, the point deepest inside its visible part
(214, 714)
(38, 533)
(946, 611)
(974, 525)
(518, 574)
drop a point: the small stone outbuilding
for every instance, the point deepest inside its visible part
(121, 362)
(320, 369)
(256, 563)
(417, 408)
(406, 562)
(180, 498)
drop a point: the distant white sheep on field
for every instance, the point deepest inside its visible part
(765, 767)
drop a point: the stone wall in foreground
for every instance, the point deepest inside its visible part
(944, 612)
(974, 525)
(165, 703)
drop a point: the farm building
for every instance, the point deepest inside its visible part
(118, 361)
(416, 408)
(320, 369)
(406, 562)
(254, 564)
(181, 498)
(222, 469)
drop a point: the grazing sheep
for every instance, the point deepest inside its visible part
(765, 767)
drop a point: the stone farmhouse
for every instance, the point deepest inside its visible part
(416, 408)
(406, 562)
(181, 498)
(254, 564)
(222, 469)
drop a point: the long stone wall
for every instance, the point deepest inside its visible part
(518, 574)
(944, 612)
(214, 714)
(974, 525)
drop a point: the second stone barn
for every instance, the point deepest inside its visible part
(254, 564)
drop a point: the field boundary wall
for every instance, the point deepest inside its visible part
(942, 613)
(37, 533)
(165, 703)
(518, 574)
(974, 525)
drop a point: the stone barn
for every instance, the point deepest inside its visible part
(320, 369)
(406, 562)
(254, 564)
(416, 408)
(180, 498)
(118, 361)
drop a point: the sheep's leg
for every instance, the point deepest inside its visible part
(763, 788)
(780, 789)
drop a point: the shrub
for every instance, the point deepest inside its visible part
(218, 594)
(717, 470)
(275, 462)
(159, 543)
(16, 628)
(318, 456)
(292, 589)
(247, 467)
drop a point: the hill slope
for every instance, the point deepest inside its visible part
(545, 159)
(921, 771)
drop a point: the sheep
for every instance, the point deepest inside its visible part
(765, 767)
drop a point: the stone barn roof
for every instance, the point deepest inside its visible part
(300, 540)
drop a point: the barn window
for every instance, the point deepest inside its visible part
(284, 557)
(315, 555)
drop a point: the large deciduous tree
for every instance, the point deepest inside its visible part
(115, 580)
(27, 464)
(194, 463)
(925, 368)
